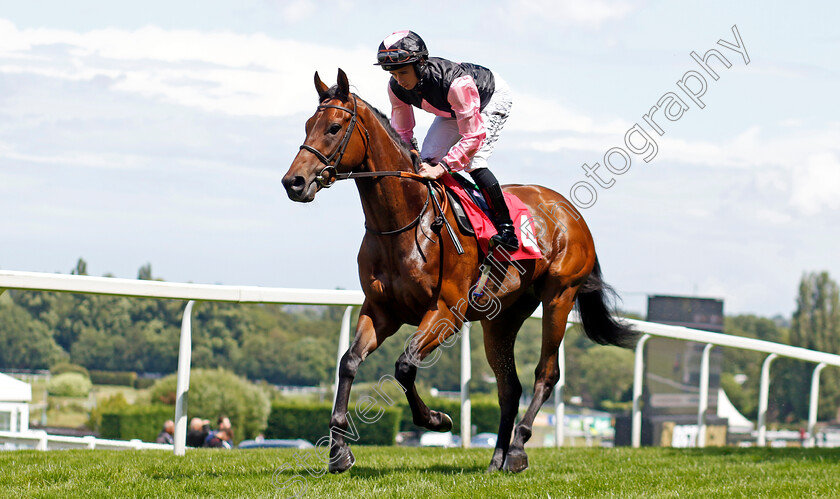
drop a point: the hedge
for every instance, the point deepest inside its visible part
(485, 416)
(66, 367)
(143, 422)
(312, 421)
(121, 378)
(69, 384)
(143, 383)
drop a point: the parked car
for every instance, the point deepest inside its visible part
(435, 439)
(297, 443)
(484, 440)
(408, 438)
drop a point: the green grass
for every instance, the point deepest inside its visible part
(428, 473)
(131, 394)
(73, 412)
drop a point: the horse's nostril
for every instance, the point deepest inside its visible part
(294, 184)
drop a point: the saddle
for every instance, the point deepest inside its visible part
(475, 219)
(464, 224)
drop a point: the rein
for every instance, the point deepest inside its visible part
(329, 175)
(432, 185)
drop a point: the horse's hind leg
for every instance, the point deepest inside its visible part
(555, 313)
(499, 337)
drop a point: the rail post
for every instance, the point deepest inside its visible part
(466, 375)
(343, 346)
(812, 407)
(763, 396)
(559, 388)
(638, 381)
(703, 403)
(183, 386)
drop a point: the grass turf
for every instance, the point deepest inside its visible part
(412, 472)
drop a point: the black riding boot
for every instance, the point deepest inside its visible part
(489, 186)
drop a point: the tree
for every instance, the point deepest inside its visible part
(145, 272)
(816, 326)
(25, 342)
(94, 349)
(608, 372)
(81, 268)
(744, 395)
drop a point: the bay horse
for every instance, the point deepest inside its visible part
(411, 275)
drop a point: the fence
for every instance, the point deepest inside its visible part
(40, 440)
(252, 294)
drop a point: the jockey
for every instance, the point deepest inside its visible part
(471, 104)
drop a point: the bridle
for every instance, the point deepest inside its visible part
(329, 175)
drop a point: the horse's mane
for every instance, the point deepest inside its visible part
(333, 93)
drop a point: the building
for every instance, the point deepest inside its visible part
(15, 396)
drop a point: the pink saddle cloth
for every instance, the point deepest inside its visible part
(484, 228)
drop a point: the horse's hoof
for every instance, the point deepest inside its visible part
(342, 461)
(516, 461)
(444, 425)
(494, 467)
(446, 422)
(496, 462)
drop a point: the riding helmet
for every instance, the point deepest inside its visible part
(400, 49)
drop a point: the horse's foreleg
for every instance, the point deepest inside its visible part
(435, 328)
(372, 329)
(555, 314)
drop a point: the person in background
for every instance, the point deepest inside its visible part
(220, 439)
(223, 426)
(199, 429)
(223, 423)
(166, 434)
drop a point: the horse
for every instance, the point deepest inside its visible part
(412, 275)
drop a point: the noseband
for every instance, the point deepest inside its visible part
(329, 175)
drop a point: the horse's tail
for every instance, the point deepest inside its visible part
(594, 301)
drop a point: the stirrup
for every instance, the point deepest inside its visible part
(506, 238)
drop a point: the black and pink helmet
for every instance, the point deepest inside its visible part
(401, 48)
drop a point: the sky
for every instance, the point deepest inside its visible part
(158, 132)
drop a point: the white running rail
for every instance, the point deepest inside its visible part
(254, 294)
(40, 440)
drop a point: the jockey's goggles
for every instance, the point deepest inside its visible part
(395, 56)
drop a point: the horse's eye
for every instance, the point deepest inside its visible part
(334, 128)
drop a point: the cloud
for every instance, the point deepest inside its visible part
(73, 160)
(222, 72)
(772, 217)
(537, 113)
(816, 184)
(799, 162)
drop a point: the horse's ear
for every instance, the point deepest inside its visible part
(343, 84)
(321, 87)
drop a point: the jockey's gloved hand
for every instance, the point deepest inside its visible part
(431, 171)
